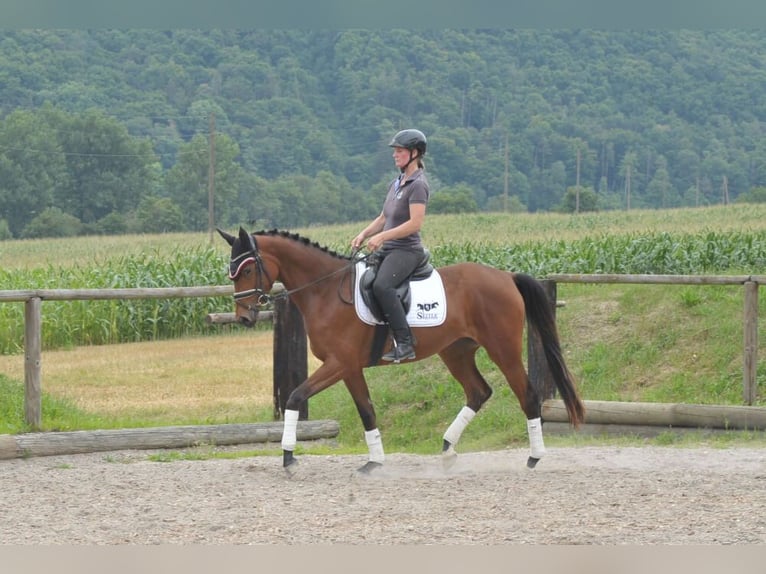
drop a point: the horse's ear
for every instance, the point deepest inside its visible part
(246, 238)
(229, 238)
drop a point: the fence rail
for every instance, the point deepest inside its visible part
(33, 326)
(101, 294)
(750, 284)
(290, 355)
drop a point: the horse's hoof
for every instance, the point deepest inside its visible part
(289, 462)
(532, 462)
(291, 468)
(369, 467)
(449, 458)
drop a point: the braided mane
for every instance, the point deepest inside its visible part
(304, 240)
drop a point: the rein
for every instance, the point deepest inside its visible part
(265, 298)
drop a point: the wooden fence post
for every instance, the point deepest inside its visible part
(290, 356)
(32, 362)
(750, 365)
(537, 366)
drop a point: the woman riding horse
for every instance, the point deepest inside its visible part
(395, 237)
(486, 308)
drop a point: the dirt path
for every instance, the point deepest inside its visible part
(590, 495)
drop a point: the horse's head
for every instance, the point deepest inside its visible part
(252, 281)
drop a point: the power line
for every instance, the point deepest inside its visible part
(105, 155)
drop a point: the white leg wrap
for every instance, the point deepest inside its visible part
(375, 444)
(457, 427)
(536, 444)
(290, 432)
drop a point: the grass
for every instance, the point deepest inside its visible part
(201, 380)
(623, 342)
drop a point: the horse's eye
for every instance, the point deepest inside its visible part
(247, 271)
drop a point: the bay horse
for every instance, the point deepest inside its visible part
(487, 308)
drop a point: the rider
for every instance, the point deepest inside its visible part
(396, 234)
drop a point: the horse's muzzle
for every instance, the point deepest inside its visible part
(249, 318)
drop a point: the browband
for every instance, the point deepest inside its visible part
(235, 271)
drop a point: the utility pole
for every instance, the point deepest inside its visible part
(505, 184)
(577, 181)
(577, 173)
(697, 192)
(211, 180)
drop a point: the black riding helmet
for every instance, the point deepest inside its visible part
(410, 139)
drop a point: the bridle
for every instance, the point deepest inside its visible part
(253, 255)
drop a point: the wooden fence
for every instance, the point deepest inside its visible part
(651, 419)
(290, 348)
(749, 283)
(290, 356)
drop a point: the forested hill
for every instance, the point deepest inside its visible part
(107, 131)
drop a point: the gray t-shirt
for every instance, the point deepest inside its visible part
(396, 208)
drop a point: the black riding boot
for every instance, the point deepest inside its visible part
(404, 346)
(393, 312)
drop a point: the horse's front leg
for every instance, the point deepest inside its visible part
(357, 387)
(326, 375)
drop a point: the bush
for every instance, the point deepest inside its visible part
(158, 215)
(497, 203)
(52, 222)
(588, 200)
(5, 231)
(755, 195)
(457, 199)
(112, 224)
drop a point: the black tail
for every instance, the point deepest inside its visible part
(541, 319)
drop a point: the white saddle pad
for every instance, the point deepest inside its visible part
(428, 307)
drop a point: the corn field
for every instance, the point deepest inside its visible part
(728, 249)
(72, 323)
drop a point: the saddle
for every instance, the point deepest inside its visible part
(403, 292)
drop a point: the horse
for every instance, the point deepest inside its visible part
(486, 307)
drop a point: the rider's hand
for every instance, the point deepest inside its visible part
(375, 242)
(357, 241)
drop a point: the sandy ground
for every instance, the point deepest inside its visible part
(588, 495)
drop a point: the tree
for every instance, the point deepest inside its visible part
(458, 199)
(301, 102)
(158, 215)
(579, 200)
(108, 170)
(32, 168)
(547, 187)
(52, 222)
(629, 173)
(5, 231)
(660, 192)
(755, 195)
(186, 183)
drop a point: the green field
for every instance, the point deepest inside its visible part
(622, 342)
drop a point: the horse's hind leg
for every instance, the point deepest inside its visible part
(460, 359)
(508, 358)
(357, 387)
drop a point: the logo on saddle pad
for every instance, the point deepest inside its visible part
(424, 300)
